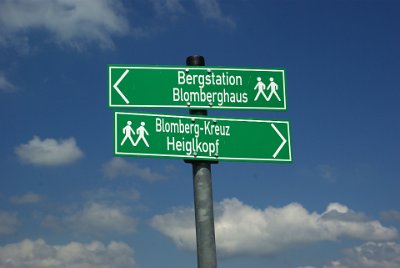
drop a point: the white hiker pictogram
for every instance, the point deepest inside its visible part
(273, 87)
(141, 131)
(261, 87)
(128, 131)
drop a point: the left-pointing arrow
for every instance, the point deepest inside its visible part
(283, 141)
(115, 86)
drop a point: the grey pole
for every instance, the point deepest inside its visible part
(203, 199)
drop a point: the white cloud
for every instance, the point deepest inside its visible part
(179, 226)
(79, 23)
(8, 223)
(52, 222)
(104, 212)
(210, 10)
(28, 198)
(163, 7)
(75, 23)
(120, 167)
(6, 85)
(39, 254)
(370, 255)
(244, 230)
(104, 194)
(49, 152)
(391, 215)
(97, 218)
(335, 264)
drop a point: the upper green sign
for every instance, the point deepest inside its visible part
(196, 87)
(202, 137)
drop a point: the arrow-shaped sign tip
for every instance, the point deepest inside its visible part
(115, 86)
(283, 140)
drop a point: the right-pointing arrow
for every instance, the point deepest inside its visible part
(115, 86)
(283, 141)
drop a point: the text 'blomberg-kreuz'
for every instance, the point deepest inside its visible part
(193, 145)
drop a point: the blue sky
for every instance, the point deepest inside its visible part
(66, 201)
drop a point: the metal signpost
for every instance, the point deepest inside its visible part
(196, 137)
(203, 198)
(196, 87)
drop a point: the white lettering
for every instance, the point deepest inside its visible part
(181, 77)
(175, 94)
(209, 79)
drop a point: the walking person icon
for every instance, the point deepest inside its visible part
(261, 87)
(273, 87)
(141, 131)
(128, 131)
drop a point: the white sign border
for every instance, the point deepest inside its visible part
(191, 157)
(184, 68)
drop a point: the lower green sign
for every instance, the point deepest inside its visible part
(201, 137)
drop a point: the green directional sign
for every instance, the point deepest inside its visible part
(202, 138)
(196, 87)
